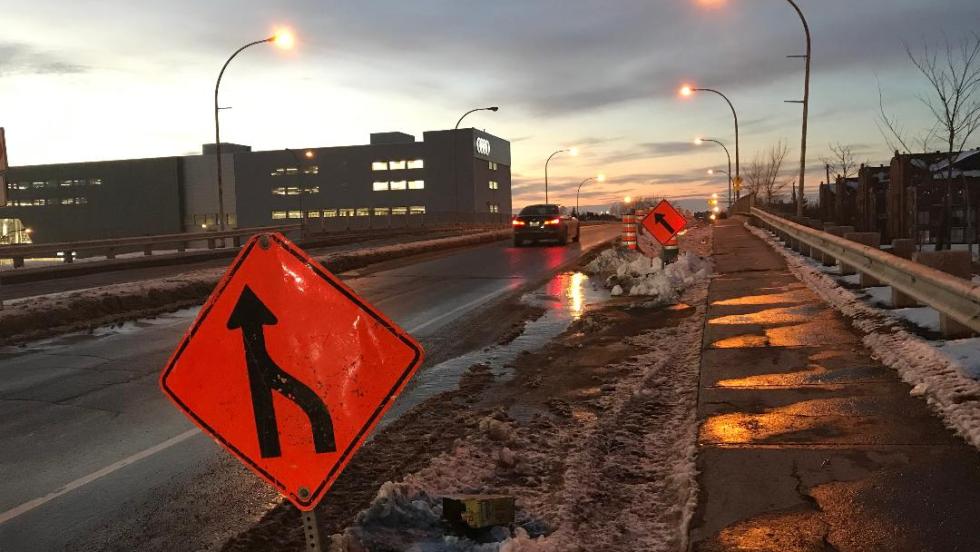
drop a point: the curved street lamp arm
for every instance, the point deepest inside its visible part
(806, 106)
(735, 115)
(472, 111)
(546, 172)
(217, 128)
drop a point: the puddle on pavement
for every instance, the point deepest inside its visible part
(565, 298)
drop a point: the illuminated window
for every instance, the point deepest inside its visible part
(11, 185)
(399, 210)
(81, 201)
(278, 172)
(40, 184)
(67, 201)
(292, 190)
(493, 166)
(416, 164)
(416, 184)
(346, 212)
(278, 215)
(22, 186)
(313, 214)
(311, 170)
(329, 213)
(292, 170)
(381, 211)
(363, 212)
(417, 210)
(66, 183)
(295, 214)
(494, 185)
(379, 166)
(494, 208)
(95, 181)
(381, 186)
(399, 185)
(312, 190)
(396, 165)
(279, 191)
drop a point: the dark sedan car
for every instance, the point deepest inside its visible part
(544, 222)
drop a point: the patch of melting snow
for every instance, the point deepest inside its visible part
(565, 298)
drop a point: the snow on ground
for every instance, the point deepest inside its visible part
(598, 455)
(945, 373)
(633, 273)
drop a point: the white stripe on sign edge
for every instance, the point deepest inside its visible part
(85, 480)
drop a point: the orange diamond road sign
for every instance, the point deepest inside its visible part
(288, 369)
(664, 222)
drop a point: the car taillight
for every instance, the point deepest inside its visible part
(552, 222)
(518, 222)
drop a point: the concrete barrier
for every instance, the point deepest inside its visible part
(957, 263)
(870, 239)
(904, 248)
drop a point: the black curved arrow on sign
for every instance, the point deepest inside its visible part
(660, 219)
(265, 376)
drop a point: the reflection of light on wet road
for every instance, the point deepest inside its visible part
(565, 298)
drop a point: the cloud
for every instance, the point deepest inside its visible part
(19, 58)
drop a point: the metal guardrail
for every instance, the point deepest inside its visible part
(110, 247)
(955, 297)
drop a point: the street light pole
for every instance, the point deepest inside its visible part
(453, 147)
(572, 151)
(285, 40)
(729, 173)
(806, 106)
(689, 90)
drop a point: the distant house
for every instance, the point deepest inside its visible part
(872, 200)
(845, 199)
(916, 188)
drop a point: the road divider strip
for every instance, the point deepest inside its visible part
(86, 309)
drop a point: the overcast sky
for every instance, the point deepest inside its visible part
(103, 79)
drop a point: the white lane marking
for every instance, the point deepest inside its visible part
(461, 308)
(85, 480)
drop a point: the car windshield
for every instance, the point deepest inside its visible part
(541, 210)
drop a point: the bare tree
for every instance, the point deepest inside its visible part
(842, 163)
(953, 74)
(763, 175)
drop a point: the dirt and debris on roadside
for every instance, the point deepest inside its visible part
(593, 434)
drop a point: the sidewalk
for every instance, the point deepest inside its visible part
(806, 443)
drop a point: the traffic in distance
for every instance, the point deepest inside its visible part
(545, 223)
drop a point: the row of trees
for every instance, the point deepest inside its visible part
(953, 101)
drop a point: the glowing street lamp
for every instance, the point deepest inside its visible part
(688, 91)
(597, 178)
(570, 151)
(283, 39)
(700, 141)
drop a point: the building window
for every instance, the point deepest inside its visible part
(417, 210)
(399, 185)
(313, 169)
(284, 171)
(329, 213)
(381, 186)
(416, 184)
(381, 211)
(416, 164)
(379, 166)
(494, 208)
(363, 212)
(312, 190)
(279, 191)
(67, 201)
(278, 215)
(95, 181)
(346, 212)
(493, 166)
(313, 214)
(296, 214)
(494, 185)
(396, 165)
(399, 210)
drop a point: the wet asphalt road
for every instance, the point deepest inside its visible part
(90, 444)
